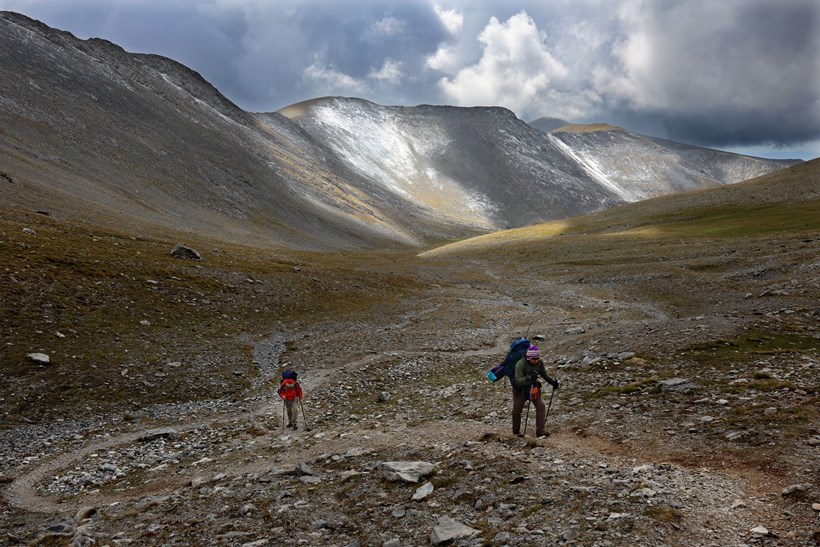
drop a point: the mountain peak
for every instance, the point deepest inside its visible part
(587, 128)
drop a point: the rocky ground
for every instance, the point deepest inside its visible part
(687, 412)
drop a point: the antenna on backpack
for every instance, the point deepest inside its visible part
(527, 335)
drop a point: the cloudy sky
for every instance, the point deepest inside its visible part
(740, 75)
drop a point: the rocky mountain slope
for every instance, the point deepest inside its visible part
(93, 132)
(643, 167)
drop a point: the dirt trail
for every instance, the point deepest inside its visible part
(588, 462)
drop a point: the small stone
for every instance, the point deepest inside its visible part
(39, 358)
(796, 489)
(815, 506)
(303, 469)
(617, 516)
(759, 531)
(423, 491)
(405, 471)
(448, 529)
(770, 411)
(84, 513)
(673, 384)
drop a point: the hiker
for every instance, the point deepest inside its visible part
(527, 371)
(290, 391)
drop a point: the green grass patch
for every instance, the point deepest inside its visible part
(740, 221)
(757, 344)
(627, 389)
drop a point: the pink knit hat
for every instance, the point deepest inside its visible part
(533, 351)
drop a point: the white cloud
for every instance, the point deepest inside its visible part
(453, 20)
(445, 59)
(449, 57)
(331, 81)
(515, 70)
(391, 72)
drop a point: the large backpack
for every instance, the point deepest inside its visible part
(287, 389)
(518, 348)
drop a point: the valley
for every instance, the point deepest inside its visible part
(686, 348)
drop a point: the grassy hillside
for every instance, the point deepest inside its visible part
(786, 201)
(125, 323)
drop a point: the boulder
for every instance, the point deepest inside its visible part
(447, 529)
(39, 358)
(181, 251)
(405, 471)
(673, 384)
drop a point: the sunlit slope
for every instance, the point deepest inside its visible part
(785, 201)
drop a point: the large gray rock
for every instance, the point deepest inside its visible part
(674, 384)
(181, 251)
(406, 471)
(447, 529)
(39, 358)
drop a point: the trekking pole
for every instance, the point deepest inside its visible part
(527, 419)
(555, 375)
(304, 417)
(549, 406)
(283, 414)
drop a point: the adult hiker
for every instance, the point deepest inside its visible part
(290, 390)
(527, 371)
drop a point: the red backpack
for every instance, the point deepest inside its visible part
(288, 389)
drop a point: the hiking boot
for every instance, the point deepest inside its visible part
(295, 427)
(543, 434)
(289, 426)
(519, 435)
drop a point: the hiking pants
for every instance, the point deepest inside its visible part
(292, 410)
(519, 401)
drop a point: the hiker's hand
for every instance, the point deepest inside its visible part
(554, 384)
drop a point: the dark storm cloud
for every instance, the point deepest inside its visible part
(749, 76)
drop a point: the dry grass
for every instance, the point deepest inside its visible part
(124, 323)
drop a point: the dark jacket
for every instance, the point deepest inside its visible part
(527, 374)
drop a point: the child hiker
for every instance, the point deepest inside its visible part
(290, 391)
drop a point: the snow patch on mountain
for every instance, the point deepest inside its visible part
(378, 146)
(595, 170)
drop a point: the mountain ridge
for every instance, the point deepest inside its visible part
(96, 132)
